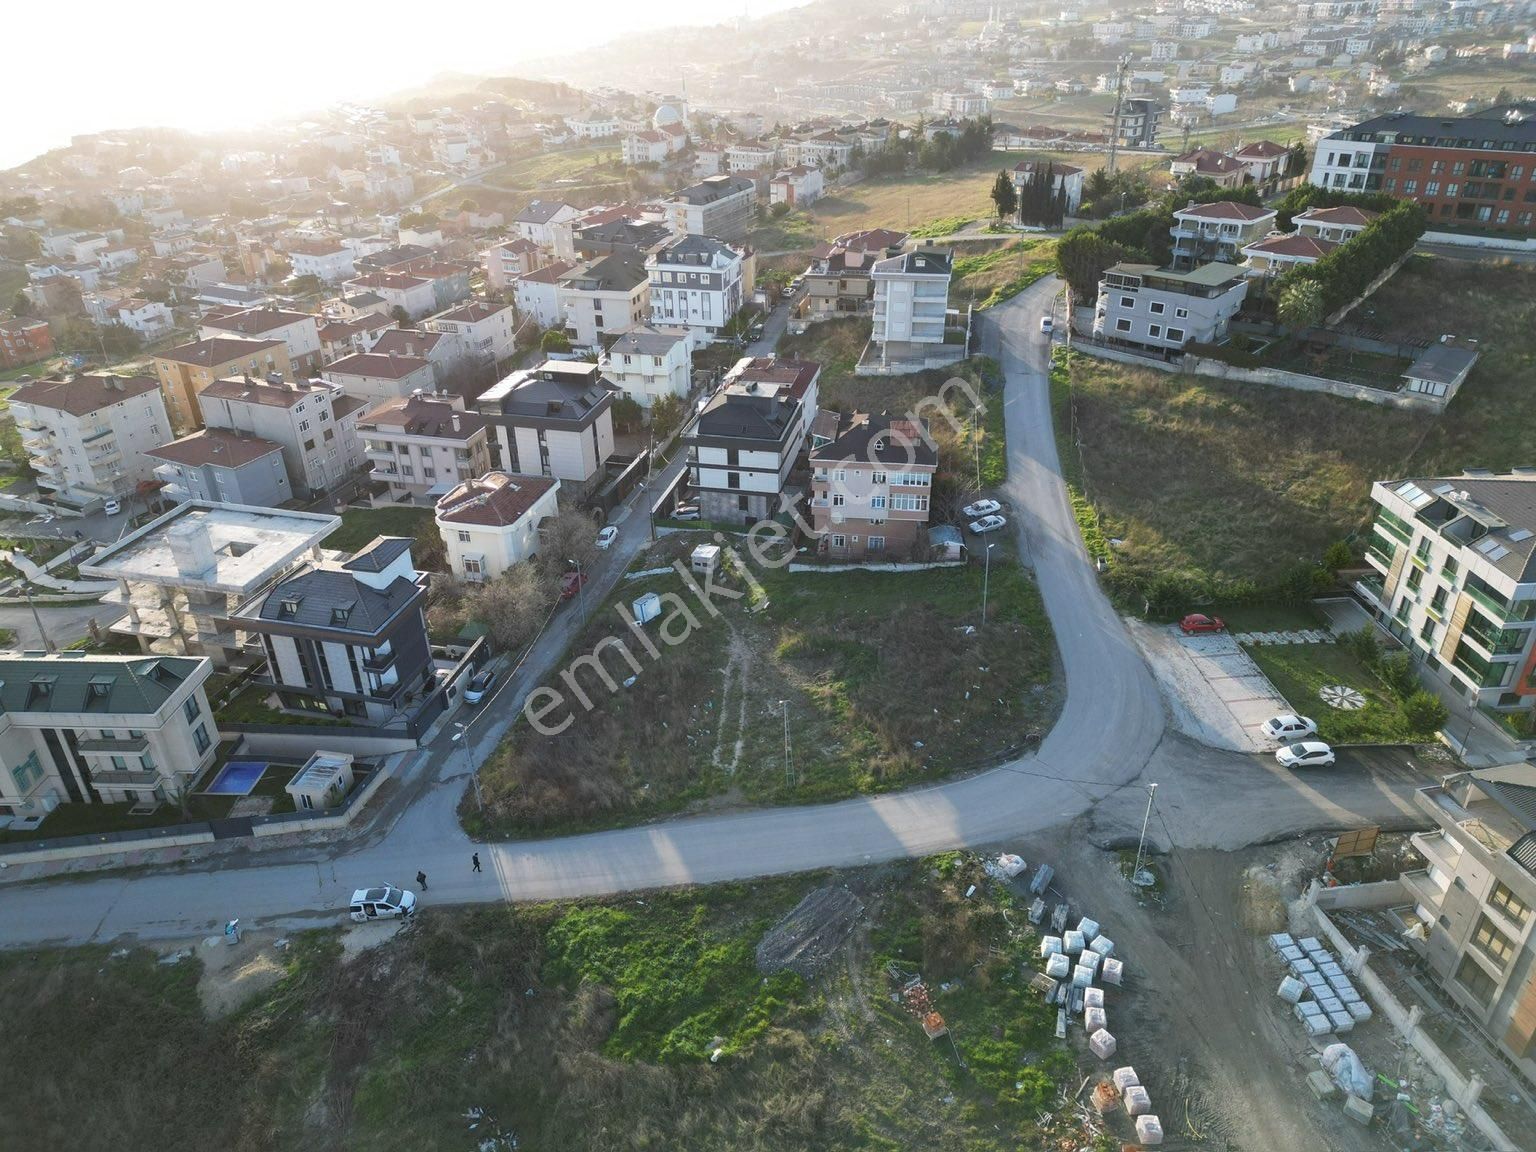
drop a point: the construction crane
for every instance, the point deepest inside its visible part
(1114, 121)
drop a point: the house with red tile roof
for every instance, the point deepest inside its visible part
(491, 523)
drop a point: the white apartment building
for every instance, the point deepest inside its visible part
(315, 424)
(753, 156)
(1455, 562)
(538, 220)
(1220, 231)
(719, 206)
(824, 150)
(797, 186)
(961, 103)
(87, 729)
(604, 295)
(414, 295)
(423, 445)
(374, 377)
(537, 294)
(491, 523)
(1164, 308)
(329, 261)
(86, 438)
(553, 420)
(911, 297)
(695, 282)
(299, 331)
(484, 330)
(648, 362)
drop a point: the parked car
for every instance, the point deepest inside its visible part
(383, 903)
(755, 332)
(571, 583)
(981, 508)
(479, 686)
(1305, 754)
(607, 536)
(1289, 728)
(988, 524)
(1197, 622)
(686, 512)
(112, 507)
(1046, 324)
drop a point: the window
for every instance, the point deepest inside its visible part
(1427, 633)
(200, 738)
(1122, 325)
(1155, 331)
(1437, 602)
(119, 764)
(1157, 307)
(472, 567)
(1492, 943)
(303, 425)
(1181, 313)
(463, 536)
(1415, 578)
(1176, 335)
(1449, 569)
(1410, 187)
(309, 445)
(1127, 301)
(839, 541)
(838, 500)
(841, 475)
(1453, 189)
(27, 773)
(191, 709)
(877, 478)
(1432, 188)
(1508, 903)
(877, 543)
(877, 501)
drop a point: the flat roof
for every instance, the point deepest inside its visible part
(248, 546)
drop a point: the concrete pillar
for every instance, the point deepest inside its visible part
(1415, 1014)
(1358, 961)
(1474, 1091)
(1310, 896)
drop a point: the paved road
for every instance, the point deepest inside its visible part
(1109, 736)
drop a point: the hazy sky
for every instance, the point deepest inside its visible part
(88, 65)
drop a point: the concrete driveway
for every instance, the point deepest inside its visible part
(1213, 690)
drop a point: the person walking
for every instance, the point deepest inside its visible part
(477, 862)
(421, 879)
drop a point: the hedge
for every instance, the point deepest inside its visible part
(1348, 270)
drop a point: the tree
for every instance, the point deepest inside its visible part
(1301, 304)
(428, 552)
(400, 316)
(21, 305)
(419, 221)
(1081, 258)
(1425, 712)
(1296, 161)
(306, 285)
(566, 541)
(1339, 555)
(513, 606)
(627, 414)
(666, 415)
(469, 204)
(1004, 197)
(554, 341)
(779, 210)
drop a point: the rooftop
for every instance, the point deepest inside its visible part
(713, 188)
(643, 340)
(326, 595)
(84, 394)
(1212, 275)
(1442, 363)
(250, 390)
(1225, 210)
(379, 364)
(540, 212)
(621, 271)
(255, 321)
(73, 682)
(922, 262)
(473, 312)
(879, 439)
(495, 499)
(1490, 128)
(562, 390)
(1346, 215)
(215, 446)
(1494, 515)
(217, 350)
(423, 416)
(1291, 244)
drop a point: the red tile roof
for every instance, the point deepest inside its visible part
(1225, 210)
(378, 364)
(1261, 150)
(1292, 245)
(1345, 215)
(495, 499)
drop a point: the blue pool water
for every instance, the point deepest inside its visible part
(237, 778)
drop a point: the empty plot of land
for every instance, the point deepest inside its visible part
(1216, 693)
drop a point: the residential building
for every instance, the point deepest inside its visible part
(1222, 170)
(184, 371)
(912, 297)
(1456, 560)
(961, 103)
(422, 445)
(1165, 308)
(1470, 920)
(449, 280)
(329, 261)
(1264, 159)
(411, 294)
(1336, 224)
(24, 341)
(553, 420)
(1440, 369)
(1066, 180)
(751, 156)
(482, 330)
(1281, 251)
(538, 220)
(797, 186)
(315, 424)
(374, 377)
(350, 636)
(604, 295)
(654, 145)
(194, 269)
(695, 282)
(491, 523)
(299, 331)
(94, 729)
(1137, 124)
(180, 575)
(719, 206)
(1468, 171)
(838, 279)
(439, 349)
(593, 125)
(537, 294)
(647, 362)
(222, 466)
(824, 150)
(870, 488)
(625, 233)
(85, 437)
(506, 261)
(151, 319)
(748, 439)
(340, 338)
(1206, 232)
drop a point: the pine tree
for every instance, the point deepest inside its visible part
(1004, 198)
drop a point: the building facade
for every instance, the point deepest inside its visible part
(86, 438)
(870, 488)
(422, 445)
(554, 420)
(645, 363)
(1165, 309)
(911, 297)
(490, 523)
(720, 206)
(222, 466)
(483, 330)
(374, 377)
(602, 296)
(1206, 232)
(299, 331)
(314, 423)
(696, 283)
(186, 370)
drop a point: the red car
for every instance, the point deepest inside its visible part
(1195, 622)
(571, 583)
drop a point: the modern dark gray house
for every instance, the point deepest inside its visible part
(553, 420)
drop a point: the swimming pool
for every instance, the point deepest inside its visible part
(237, 778)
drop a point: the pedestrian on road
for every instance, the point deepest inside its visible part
(477, 862)
(421, 879)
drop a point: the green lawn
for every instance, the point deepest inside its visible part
(991, 275)
(788, 233)
(360, 525)
(95, 819)
(1300, 670)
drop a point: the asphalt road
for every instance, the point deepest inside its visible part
(1109, 739)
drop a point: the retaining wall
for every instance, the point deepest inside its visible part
(1490, 243)
(1299, 382)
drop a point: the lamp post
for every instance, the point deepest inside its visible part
(461, 738)
(581, 590)
(986, 576)
(789, 774)
(1138, 878)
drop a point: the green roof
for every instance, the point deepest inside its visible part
(1212, 275)
(69, 682)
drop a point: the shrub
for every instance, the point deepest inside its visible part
(1365, 644)
(1425, 712)
(1396, 671)
(1339, 555)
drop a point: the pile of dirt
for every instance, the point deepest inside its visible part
(813, 932)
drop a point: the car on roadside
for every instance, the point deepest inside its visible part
(1197, 622)
(980, 508)
(1047, 324)
(1305, 754)
(755, 332)
(1289, 728)
(796, 284)
(571, 583)
(685, 512)
(988, 524)
(112, 507)
(386, 902)
(479, 686)
(606, 537)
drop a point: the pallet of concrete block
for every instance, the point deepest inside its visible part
(1102, 1044)
(1302, 966)
(1037, 911)
(1125, 1077)
(1042, 880)
(1088, 927)
(1313, 1018)
(1280, 941)
(1058, 966)
(1093, 997)
(1094, 1019)
(1049, 946)
(1102, 944)
(1136, 1100)
(1291, 990)
(1341, 1020)
(1005, 867)
(1073, 942)
(1114, 971)
(1082, 976)
(1149, 1129)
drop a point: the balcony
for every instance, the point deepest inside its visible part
(379, 661)
(136, 745)
(1423, 889)
(97, 436)
(1439, 849)
(115, 778)
(38, 443)
(1372, 591)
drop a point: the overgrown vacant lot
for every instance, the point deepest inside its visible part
(885, 687)
(579, 1027)
(1238, 480)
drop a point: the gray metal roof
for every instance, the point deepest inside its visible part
(69, 682)
(1523, 852)
(1442, 364)
(1503, 508)
(646, 341)
(379, 554)
(334, 600)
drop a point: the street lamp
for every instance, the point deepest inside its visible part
(789, 775)
(581, 590)
(986, 575)
(461, 738)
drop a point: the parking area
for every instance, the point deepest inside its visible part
(1213, 690)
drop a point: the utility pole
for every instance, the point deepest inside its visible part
(986, 576)
(976, 442)
(1138, 877)
(1114, 122)
(36, 619)
(461, 737)
(789, 771)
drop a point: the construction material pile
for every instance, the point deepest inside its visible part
(1324, 998)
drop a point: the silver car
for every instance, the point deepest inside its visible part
(988, 524)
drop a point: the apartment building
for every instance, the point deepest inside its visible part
(536, 222)
(553, 420)
(696, 283)
(184, 371)
(798, 186)
(1222, 170)
(719, 206)
(412, 294)
(85, 437)
(339, 338)
(422, 445)
(839, 280)
(24, 341)
(299, 331)
(85, 729)
(1470, 920)
(748, 439)
(537, 294)
(870, 488)
(1137, 124)
(1165, 309)
(491, 523)
(219, 465)
(328, 261)
(505, 262)
(374, 377)
(315, 424)
(602, 296)
(1217, 232)
(911, 297)
(483, 330)
(348, 635)
(645, 363)
(1455, 564)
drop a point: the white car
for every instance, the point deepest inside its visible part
(686, 512)
(385, 902)
(1288, 729)
(988, 524)
(980, 508)
(607, 536)
(1305, 754)
(112, 507)
(1046, 324)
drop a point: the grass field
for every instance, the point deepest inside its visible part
(361, 525)
(988, 276)
(1299, 671)
(912, 200)
(578, 1027)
